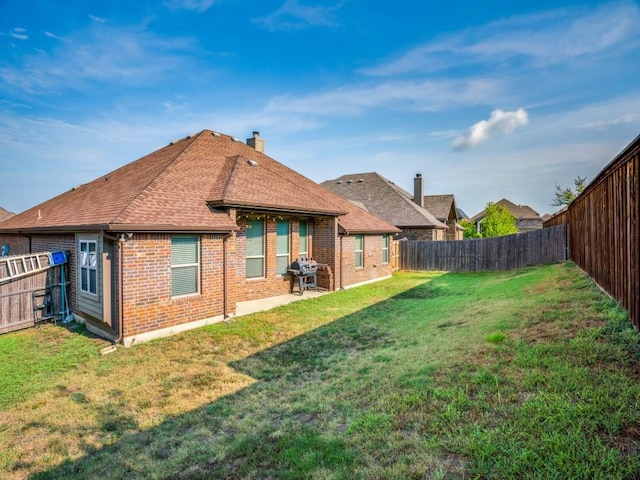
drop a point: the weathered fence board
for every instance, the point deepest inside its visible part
(475, 255)
(16, 299)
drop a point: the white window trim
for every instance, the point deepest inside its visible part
(85, 257)
(188, 265)
(263, 256)
(361, 252)
(282, 255)
(385, 249)
(303, 253)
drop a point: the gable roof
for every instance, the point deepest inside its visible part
(521, 212)
(384, 199)
(4, 214)
(440, 206)
(185, 186)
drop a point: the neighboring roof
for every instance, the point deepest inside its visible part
(384, 199)
(186, 186)
(462, 215)
(4, 214)
(521, 212)
(439, 205)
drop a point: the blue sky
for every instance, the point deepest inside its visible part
(485, 99)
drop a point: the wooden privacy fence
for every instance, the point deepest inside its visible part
(483, 254)
(604, 231)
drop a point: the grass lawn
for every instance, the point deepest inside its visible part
(525, 374)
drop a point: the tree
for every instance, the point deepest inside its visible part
(498, 221)
(470, 230)
(564, 196)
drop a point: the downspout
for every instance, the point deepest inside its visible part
(225, 308)
(120, 290)
(341, 264)
(30, 240)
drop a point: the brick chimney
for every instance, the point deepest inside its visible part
(256, 142)
(418, 190)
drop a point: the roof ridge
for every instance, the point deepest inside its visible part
(303, 186)
(137, 200)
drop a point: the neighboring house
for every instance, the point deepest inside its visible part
(4, 214)
(386, 200)
(175, 239)
(527, 218)
(443, 207)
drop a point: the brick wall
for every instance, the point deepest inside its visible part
(373, 267)
(421, 234)
(326, 247)
(146, 283)
(18, 245)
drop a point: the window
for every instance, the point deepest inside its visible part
(282, 246)
(359, 251)
(185, 266)
(89, 266)
(255, 248)
(385, 248)
(303, 246)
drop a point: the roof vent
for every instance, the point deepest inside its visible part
(349, 181)
(235, 139)
(253, 163)
(339, 182)
(361, 180)
(215, 134)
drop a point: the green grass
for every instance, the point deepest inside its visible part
(525, 374)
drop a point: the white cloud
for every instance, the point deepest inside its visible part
(603, 124)
(130, 55)
(553, 37)
(293, 16)
(97, 19)
(195, 5)
(415, 96)
(19, 33)
(51, 35)
(499, 122)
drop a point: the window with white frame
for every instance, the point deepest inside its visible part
(89, 266)
(185, 266)
(359, 250)
(385, 248)
(255, 248)
(282, 247)
(303, 239)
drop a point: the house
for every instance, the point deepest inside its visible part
(177, 238)
(527, 218)
(386, 200)
(4, 214)
(443, 207)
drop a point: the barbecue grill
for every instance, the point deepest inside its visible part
(305, 273)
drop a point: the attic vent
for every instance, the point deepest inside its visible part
(188, 137)
(361, 180)
(339, 182)
(253, 163)
(215, 134)
(349, 181)
(235, 139)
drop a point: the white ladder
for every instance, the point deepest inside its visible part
(17, 266)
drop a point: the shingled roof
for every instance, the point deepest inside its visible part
(439, 205)
(384, 199)
(521, 212)
(4, 214)
(186, 186)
